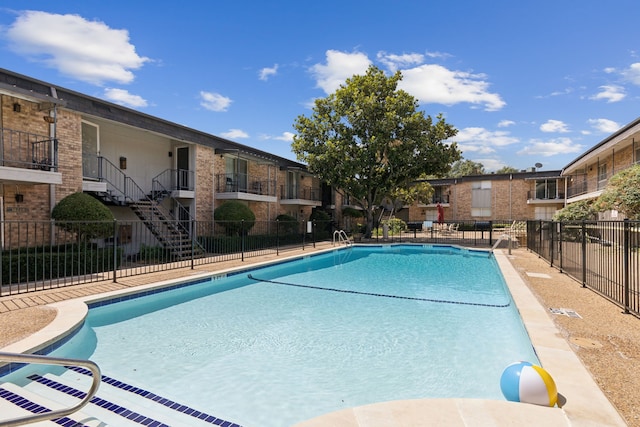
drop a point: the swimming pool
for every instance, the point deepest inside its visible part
(285, 343)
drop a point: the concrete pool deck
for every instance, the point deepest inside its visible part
(583, 402)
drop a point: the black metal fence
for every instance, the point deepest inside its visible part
(602, 255)
(38, 255)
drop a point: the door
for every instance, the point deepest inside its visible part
(182, 164)
(90, 150)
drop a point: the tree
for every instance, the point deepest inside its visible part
(368, 139)
(466, 167)
(578, 211)
(622, 193)
(235, 217)
(85, 215)
(507, 169)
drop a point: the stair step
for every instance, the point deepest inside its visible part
(119, 403)
(16, 401)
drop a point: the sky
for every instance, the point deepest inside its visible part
(524, 82)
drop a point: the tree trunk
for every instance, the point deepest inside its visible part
(369, 229)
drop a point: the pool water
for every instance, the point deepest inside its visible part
(327, 332)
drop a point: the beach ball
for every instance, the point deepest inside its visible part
(528, 383)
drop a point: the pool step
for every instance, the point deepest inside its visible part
(116, 403)
(17, 402)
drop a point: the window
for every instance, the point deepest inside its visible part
(90, 150)
(544, 213)
(236, 171)
(602, 176)
(292, 186)
(546, 189)
(481, 198)
(602, 172)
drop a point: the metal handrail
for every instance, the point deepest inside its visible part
(48, 360)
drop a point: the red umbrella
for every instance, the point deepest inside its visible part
(440, 214)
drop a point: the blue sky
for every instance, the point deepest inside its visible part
(524, 82)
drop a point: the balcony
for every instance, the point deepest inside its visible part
(301, 196)
(239, 186)
(581, 187)
(27, 158)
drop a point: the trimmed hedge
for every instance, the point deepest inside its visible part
(36, 264)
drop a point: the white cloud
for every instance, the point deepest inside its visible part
(214, 101)
(339, 67)
(482, 137)
(550, 147)
(604, 125)
(267, 72)
(490, 164)
(234, 134)
(442, 55)
(556, 126)
(506, 123)
(633, 73)
(610, 70)
(611, 93)
(86, 50)
(123, 97)
(432, 83)
(286, 136)
(393, 61)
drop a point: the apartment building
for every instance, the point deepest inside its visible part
(55, 142)
(588, 175)
(492, 197)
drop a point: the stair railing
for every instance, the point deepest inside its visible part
(48, 360)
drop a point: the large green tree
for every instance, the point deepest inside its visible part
(369, 139)
(622, 193)
(465, 168)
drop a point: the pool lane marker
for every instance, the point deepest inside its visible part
(380, 295)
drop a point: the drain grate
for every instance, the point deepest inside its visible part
(565, 312)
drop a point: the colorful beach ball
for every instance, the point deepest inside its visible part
(528, 383)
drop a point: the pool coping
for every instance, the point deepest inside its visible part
(582, 401)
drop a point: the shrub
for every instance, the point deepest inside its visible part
(322, 220)
(578, 211)
(82, 214)
(287, 224)
(235, 217)
(350, 212)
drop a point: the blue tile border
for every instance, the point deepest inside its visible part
(35, 408)
(141, 393)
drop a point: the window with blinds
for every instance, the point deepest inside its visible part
(481, 198)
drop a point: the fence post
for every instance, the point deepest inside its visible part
(313, 233)
(560, 251)
(552, 232)
(277, 237)
(625, 263)
(491, 236)
(193, 243)
(242, 239)
(583, 233)
(115, 249)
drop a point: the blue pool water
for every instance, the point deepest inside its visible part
(361, 325)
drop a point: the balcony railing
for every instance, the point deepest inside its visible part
(541, 195)
(579, 185)
(300, 193)
(28, 150)
(241, 183)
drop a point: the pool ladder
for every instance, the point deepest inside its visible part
(49, 360)
(341, 237)
(505, 236)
